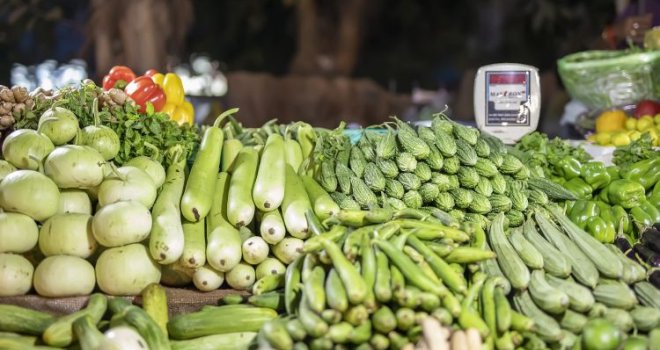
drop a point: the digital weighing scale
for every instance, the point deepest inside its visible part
(507, 100)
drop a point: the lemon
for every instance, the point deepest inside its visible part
(631, 123)
(620, 139)
(634, 135)
(592, 138)
(612, 120)
(653, 133)
(644, 123)
(603, 138)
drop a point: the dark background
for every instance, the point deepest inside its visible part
(404, 45)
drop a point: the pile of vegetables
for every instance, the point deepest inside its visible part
(614, 203)
(150, 134)
(614, 127)
(435, 237)
(163, 92)
(448, 166)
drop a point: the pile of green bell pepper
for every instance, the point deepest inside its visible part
(595, 217)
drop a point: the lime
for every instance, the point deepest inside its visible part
(601, 334)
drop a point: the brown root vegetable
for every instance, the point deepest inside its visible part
(20, 93)
(7, 95)
(18, 108)
(6, 107)
(6, 121)
(117, 95)
(29, 103)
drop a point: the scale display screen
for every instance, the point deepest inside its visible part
(508, 98)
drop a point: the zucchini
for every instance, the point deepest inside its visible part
(605, 261)
(547, 297)
(527, 252)
(615, 294)
(582, 268)
(545, 326)
(554, 262)
(648, 294)
(580, 297)
(219, 320)
(510, 262)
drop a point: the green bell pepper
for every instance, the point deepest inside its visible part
(568, 167)
(568, 205)
(650, 210)
(595, 174)
(613, 170)
(654, 195)
(603, 195)
(640, 217)
(580, 188)
(646, 172)
(626, 193)
(600, 229)
(621, 219)
(582, 211)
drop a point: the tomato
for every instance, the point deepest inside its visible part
(601, 334)
(646, 107)
(635, 343)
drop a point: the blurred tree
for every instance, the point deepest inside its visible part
(329, 36)
(138, 33)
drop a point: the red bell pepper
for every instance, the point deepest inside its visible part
(118, 77)
(143, 90)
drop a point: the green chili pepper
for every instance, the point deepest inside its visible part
(655, 199)
(650, 210)
(626, 193)
(580, 188)
(568, 167)
(621, 219)
(600, 229)
(613, 170)
(595, 174)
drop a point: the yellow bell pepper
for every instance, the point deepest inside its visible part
(176, 106)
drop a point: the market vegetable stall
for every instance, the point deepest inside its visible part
(435, 235)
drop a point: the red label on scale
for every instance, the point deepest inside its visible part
(507, 98)
(507, 78)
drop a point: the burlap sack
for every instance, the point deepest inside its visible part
(180, 300)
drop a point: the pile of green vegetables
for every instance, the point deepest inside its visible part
(624, 197)
(149, 134)
(449, 166)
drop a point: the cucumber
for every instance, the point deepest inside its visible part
(141, 321)
(154, 303)
(219, 320)
(237, 341)
(60, 333)
(268, 190)
(23, 320)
